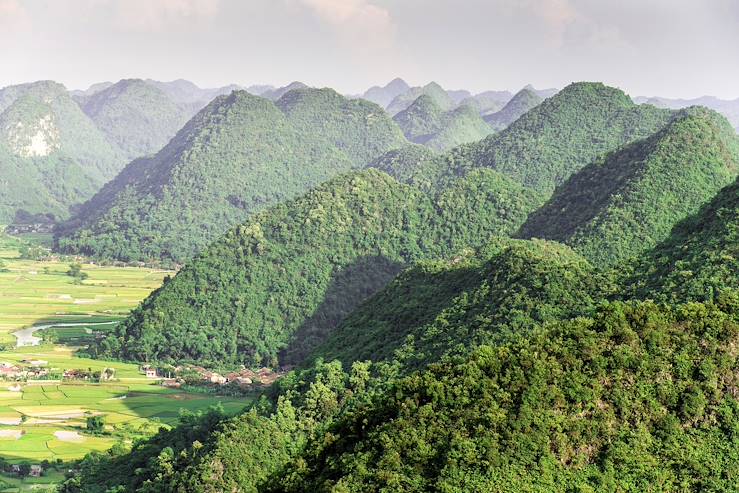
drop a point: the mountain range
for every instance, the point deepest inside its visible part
(492, 292)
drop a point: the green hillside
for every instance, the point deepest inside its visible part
(438, 308)
(701, 256)
(566, 132)
(636, 398)
(523, 101)
(239, 155)
(51, 155)
(625, 203)
(292, 272)
(136, 116)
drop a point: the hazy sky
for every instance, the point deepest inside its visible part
(682, 48)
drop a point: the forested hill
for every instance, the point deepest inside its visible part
(567, 131)
(425, 122)
(240, 154)
(51, 154)
(136, 115)
(648, 388)
(295, 270)
(546, 145)
(625, 203)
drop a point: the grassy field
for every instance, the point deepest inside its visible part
(47, 420)
(34, 292)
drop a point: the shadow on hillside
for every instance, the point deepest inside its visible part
(349, 287)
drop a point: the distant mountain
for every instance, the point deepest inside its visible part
(81, 95)
(524, 100)
(190, 95)
(488, 102)
(240, 154)
(259, 89)
(458, 95)
(425, 122)
(625, 203)
(136, 115)
(542, 93)
(290, 274)
(730, 109)
(384, 95)
(432, 90)
(51, 154)
(275, 94)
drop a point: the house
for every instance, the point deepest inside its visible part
(36, 471)
(151, 372)
(213, 377)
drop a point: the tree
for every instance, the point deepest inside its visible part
(95, 424)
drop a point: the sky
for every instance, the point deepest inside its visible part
(671, 48)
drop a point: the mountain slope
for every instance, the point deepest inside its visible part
(52, 156)
(521, 103)
(438, 308)
(292, 272)
(701, 256)
(240, 154)
(624, 204)
(136, 116)
(636, 398)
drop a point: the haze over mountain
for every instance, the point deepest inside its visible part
(137, 115)
(383, 96)
(523, 101)
(730, 109)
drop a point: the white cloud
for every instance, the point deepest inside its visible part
(154, 15)
(365, 25)
(13, 17)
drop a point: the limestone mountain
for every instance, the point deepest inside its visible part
(137, 116)
(625, 203)
(425, 122)
(239, 155)
(52, 155)
(383, 96)
(432, 90)
(524, 100)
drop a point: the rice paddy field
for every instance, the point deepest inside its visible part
(34, 292)
(46, 420)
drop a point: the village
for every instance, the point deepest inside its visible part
(192, 375)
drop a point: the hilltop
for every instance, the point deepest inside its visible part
(240, 154)
(382, 96)
(626, 202)
(433, 90)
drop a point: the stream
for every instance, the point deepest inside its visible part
(25, 336)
